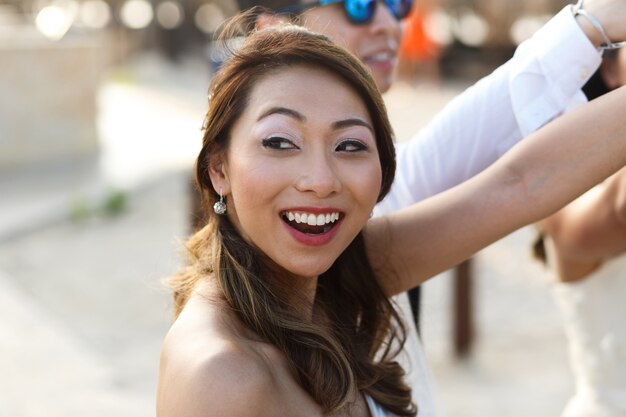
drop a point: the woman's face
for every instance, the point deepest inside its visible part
(375, 43)
(302, 171)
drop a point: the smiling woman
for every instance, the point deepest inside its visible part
(284, 309)
(298, 145)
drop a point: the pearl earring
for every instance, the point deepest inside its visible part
(220, 206)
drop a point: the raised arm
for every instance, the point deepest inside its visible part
(543, 78)
(537, 177)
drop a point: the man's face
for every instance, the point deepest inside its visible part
(375, 43)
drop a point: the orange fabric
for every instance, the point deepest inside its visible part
(416, 45)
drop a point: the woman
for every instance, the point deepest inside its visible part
(284, 308)
(275, 87)
(585, 246)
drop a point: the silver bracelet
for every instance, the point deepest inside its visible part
(577, 9)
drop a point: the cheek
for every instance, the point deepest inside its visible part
(250, 200)
(351, 38)
(257, 184)
(252, 181)
(366, 185)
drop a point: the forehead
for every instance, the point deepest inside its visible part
(310, 88)
(331, 20)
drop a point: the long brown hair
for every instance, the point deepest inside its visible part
(351, 344)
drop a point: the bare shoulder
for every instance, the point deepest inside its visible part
(593, 226)
(225, 383)
(205, 373)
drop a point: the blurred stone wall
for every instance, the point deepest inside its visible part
(47, 98)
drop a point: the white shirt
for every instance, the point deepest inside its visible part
(542, 79)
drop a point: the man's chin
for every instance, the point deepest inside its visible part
(384, 83)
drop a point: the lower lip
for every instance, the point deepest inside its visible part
(313, 240)
(385, 65)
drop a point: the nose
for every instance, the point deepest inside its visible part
(385, 21)
(318, 176)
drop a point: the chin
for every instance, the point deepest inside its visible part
(313, 270)
(384, 83)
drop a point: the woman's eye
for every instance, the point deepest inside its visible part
(351, 145)
(276, 142)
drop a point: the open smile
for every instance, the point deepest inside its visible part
(311, 223)
(383, 57)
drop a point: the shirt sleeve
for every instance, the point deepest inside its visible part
(551, 69)
(538, 83)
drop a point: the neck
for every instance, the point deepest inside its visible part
(299, 291)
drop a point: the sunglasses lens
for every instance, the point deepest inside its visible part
(360, 11)
(399, 8)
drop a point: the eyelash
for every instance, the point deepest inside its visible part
(357, 144)
(277, 143)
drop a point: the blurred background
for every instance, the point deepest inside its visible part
(101, 105)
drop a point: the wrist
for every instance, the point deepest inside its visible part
(592, 34)
(585, 18)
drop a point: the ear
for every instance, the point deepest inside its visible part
(610, 73)
(265, 20)
(218, 172)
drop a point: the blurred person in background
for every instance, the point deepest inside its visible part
(584, 244)
(476, 128)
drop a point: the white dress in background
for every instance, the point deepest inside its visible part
(594, 313)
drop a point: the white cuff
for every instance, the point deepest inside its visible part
(549, 71)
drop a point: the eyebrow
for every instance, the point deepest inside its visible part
(340, 124)
(284, 111)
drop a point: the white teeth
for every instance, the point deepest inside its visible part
(383, 56)
(312, 219)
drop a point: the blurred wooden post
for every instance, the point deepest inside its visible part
(463, 318)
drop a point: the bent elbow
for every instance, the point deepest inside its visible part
(619, 209)
(619, 205)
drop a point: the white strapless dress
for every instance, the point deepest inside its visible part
(594, 313)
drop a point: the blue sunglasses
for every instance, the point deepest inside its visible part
(358, 12)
